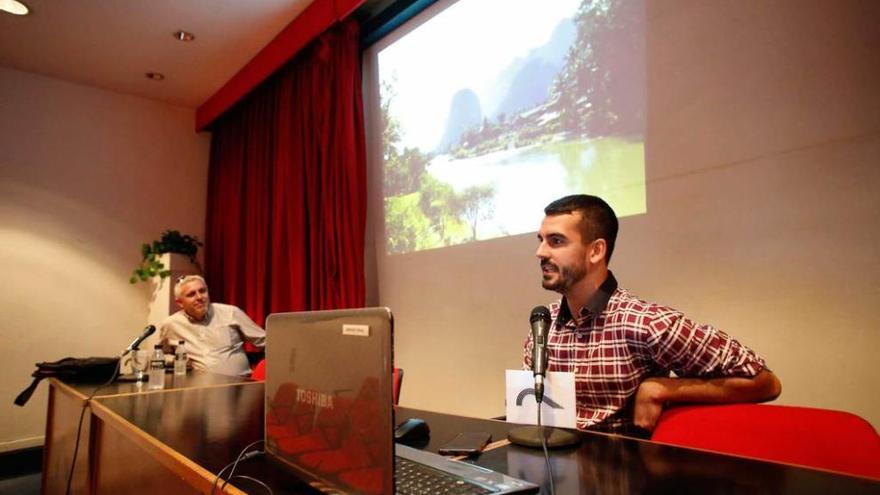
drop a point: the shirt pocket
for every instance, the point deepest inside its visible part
(224, 337)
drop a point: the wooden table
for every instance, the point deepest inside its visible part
(66, 402)
(176, 440)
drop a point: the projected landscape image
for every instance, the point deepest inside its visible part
(491, 109)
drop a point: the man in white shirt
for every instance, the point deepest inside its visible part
(214, 333)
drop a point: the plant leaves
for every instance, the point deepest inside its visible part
(171, 241)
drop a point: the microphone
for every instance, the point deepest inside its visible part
(540, 321)
(539, 436)
(136, 342)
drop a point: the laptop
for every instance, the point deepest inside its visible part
(330, 415)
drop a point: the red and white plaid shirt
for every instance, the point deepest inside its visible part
(620, 340)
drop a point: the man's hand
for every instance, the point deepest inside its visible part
(649, 403)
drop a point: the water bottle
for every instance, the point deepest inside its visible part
(157, 368)
(180, 359)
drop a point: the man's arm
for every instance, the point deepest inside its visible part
(715, 368)
(165, 337)
(250, 330)
(654, 393)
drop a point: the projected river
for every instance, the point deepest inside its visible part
(525, 180)
(504, 192)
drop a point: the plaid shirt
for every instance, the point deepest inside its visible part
(619, 341)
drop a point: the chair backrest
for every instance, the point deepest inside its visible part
(398, 381)
(259, 372)
(818, 438)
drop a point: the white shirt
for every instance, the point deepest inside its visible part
(216, 343)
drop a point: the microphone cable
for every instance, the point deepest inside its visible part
(546, 453)
(242, 456)
(250, 478)
(82, 414)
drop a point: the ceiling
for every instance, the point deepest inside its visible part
(111, 44)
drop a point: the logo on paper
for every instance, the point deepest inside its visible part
(530, 391)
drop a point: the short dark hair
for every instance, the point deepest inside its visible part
(598, 220)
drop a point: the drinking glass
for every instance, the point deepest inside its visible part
(139, 362)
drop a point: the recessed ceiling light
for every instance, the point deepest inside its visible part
(156, 76)
(14, 7)
(184, 35)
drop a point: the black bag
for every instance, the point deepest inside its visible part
(88, 370)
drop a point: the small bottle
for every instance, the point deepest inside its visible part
(157, 368)
(180, 359)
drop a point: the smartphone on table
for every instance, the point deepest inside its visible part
(467, 443)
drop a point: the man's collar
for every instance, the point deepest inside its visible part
(595, 305)
(205, 320)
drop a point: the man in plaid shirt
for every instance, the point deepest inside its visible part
(622, 349)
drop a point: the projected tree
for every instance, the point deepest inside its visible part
(422, 212)
(477, 205)
(403, 168)
(598, 92)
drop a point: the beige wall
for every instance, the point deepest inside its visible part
(763, 213)
(86, 176)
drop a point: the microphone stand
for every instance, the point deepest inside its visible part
(538, 436)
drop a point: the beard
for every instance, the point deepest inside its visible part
(561, 278)
(197, 311)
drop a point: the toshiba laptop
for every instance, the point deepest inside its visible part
(329, 409)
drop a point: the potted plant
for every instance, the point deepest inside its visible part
(171, 241)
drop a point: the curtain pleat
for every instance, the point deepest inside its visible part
(287, 187)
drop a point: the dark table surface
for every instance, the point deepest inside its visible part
(192, 379)
(212, 424)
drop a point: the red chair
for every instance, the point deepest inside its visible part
(398, 381)
(817, 438)
(259, 372)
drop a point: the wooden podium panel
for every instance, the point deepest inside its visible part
(62, 420)
(65, 407)
(127, 460)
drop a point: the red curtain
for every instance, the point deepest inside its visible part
(287, 187)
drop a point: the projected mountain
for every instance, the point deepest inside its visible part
(464, 113)
(526, 82)
(523, 84)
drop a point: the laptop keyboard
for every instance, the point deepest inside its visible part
(413, 478)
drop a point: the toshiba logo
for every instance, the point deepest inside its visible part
(314, 398)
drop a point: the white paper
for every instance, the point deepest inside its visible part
(558, 407)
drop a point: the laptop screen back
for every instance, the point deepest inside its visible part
(329, 414)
